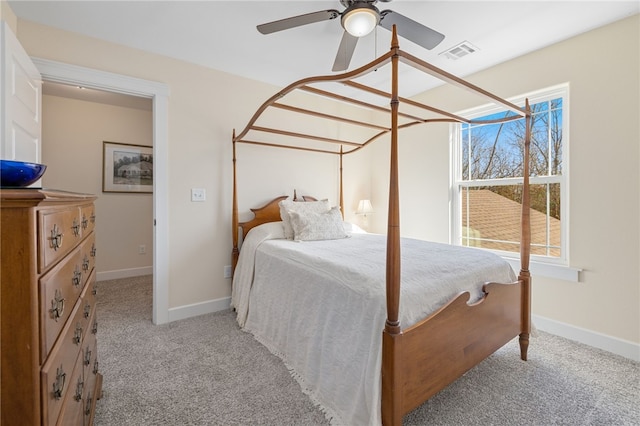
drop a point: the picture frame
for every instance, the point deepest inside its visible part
(127, 168)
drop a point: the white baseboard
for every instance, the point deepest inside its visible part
(187, 311)
(124, 273)
(611, 344)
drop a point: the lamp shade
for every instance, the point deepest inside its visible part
(364, 207)
(360, 21)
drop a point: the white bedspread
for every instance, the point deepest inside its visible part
(320, 306)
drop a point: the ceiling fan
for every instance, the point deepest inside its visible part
(358, 19)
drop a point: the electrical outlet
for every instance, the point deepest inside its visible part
(198, 194)
(142, 249)
(227, 271)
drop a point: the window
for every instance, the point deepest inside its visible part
(488, 177)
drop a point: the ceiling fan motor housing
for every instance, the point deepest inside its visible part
(360, 18)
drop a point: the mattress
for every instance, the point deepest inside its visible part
(320, 306)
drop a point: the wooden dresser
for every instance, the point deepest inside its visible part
(48, 321)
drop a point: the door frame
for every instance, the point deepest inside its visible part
(59, 72)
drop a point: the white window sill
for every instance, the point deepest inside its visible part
(560, 272)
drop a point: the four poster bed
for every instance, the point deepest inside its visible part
(334, 316)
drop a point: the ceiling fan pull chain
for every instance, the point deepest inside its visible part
(375, 46)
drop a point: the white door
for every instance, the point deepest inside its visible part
(21, 103)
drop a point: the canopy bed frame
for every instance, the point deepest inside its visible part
(420, 360)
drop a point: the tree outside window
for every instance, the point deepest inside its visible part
(489, 175)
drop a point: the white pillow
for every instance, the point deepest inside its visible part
(269, 230)
(352, 228)
(312, 226)
(287, 206)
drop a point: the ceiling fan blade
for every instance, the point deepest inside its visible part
(345, 52)
(296, 21)
(410, 29)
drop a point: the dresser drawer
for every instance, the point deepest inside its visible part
(59, 232)
(83, 319)
(87, 218)
(88, 254)
(59, 291)
(88, 301)
(86, 317)
(72, 412)
(90, 357)
(57, 371)
(90, 363)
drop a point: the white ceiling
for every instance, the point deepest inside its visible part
(223, 35)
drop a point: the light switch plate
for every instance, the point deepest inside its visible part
(198, 194)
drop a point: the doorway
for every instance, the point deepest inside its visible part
(158, 93)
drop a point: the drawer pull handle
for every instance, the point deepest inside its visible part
(57, 305)
(87, 310)
(75, 227)
(93, 250)
(85, 222)
(87, 408)
(87, 356)
(94, 291)
(56, 237)
(79, 387)
(58, 385)
(77, 335)
(85, 263)
(95, 367)
(92, 217)
(94, 329)
(77, 277)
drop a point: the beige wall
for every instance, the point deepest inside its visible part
(602, 67)
(72, 133)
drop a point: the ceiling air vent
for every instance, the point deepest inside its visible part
(460, 50)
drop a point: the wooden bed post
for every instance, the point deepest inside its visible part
(525, 243)
(234, 215)
(392, 336)
(341, 193)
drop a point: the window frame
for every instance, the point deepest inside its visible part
(457, 184)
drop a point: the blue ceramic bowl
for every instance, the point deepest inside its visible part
(18, 174)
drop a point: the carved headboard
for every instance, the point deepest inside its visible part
(270, 212)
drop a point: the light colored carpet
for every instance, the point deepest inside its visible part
(206, 371)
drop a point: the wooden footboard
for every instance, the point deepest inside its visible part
(427, 357)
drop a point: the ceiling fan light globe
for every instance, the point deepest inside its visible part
(360, 22)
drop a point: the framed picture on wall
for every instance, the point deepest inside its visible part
(127, 168)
